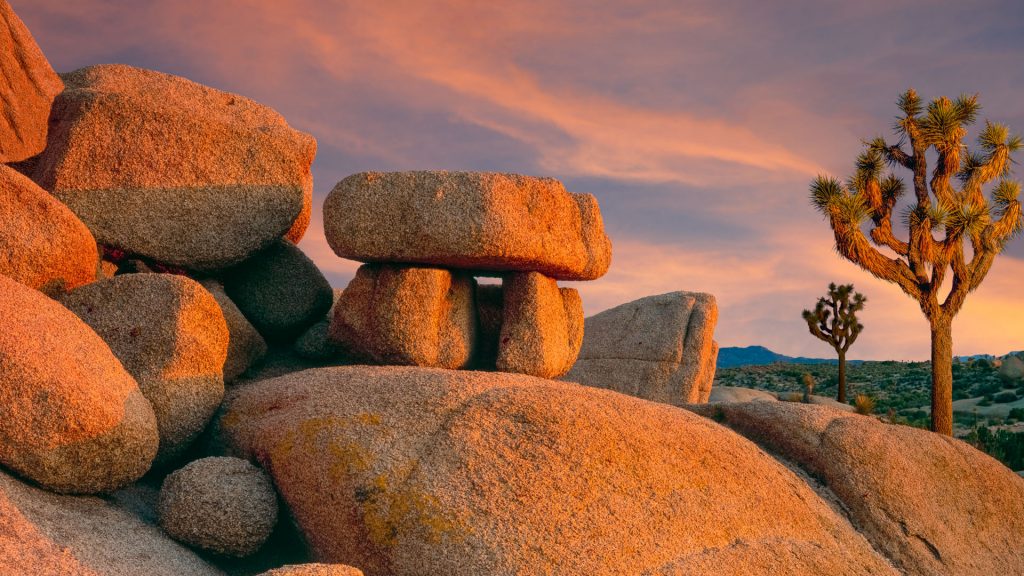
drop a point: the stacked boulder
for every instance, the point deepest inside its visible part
(424, 236)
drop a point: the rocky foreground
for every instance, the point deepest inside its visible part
(183, 392)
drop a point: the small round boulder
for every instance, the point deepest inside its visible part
(223, 505)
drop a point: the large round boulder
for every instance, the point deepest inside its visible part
(170, 334)
(71, 418)
(42, 244)
(932, 504)
(220, 504)
(162, 167)
(402, 471)
(28, 86)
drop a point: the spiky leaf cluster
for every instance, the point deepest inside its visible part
(949, 210)
(834, 318)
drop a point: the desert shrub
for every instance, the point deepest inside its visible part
(1005, 397)
(864, 404)
(1016, 414)
(986, 401)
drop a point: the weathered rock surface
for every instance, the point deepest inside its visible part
(28, 86)
(541, 327)
(405, 471)
(170, 334)
(931, 504)
(739, 394)
(168, 169)
(71, 418)
(224, 505)
(245, 344)
(468, 220)
(1012, 368)
(44, 534)
(315, 343)
(660, 348)
(314, 570)
(405, 315)
(280, 290)
(42, 244)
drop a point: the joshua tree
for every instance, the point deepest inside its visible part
(834, 320)
(973, 229)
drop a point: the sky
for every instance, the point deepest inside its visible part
(698, 125)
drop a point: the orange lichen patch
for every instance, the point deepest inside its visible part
(42, 243)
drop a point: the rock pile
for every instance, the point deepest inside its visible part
(424, 235)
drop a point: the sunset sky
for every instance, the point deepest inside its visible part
(698, 125)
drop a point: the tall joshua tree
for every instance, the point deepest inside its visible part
(834, 320)
(972, 228)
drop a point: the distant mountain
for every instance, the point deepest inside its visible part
(759, 355)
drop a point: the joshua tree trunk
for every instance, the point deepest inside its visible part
(842, 377)
(942, 376)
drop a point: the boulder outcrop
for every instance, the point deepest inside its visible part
(468, 220)
(932, 504)
(405, 471)
(28, 86)
(42, 244)
(71, 418)
(170, 334)
(660, 348)
(162, 167)
(541, 327)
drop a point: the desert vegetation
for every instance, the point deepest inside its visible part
(973, 228)
(834, 321)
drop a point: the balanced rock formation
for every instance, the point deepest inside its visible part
(404, 471)
(71, 418)
(541, 328)
(223, 505)
(44, 534)
(42, 244)
(170, 334)
(406, 315)
(162, 167)
(932, 504)
(468, 220)
(28, 86)
(280, 290)
(246, 346)
(660, 348)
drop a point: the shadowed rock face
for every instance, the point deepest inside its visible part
(468, 220)
(44, 534)
(71, 417)
(28, 86)
(42, 244)
(171, 170)
(246, 346)
(170, 334)
(404, 471)
(660, 348)
(933, 505)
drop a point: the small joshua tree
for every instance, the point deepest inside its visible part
(973, 228)
(834, 320)
(808, 381)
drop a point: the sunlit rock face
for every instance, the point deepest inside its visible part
(660, 348)
(71, 418)
(162, 167)
(28, 86)
(170, 334)
(42, 244)
(468, 220)
(402, 471)
(932, 504)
